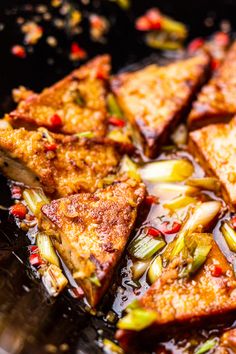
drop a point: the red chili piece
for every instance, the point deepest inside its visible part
(221, 38)
(77, 51)
(16, 192)
(233, 221)
(18, 210)
(116, 122)
(35, 260)
(216, 271)
(50, 147)
(215, 64)
(33, 249)
(153, 232)
(18, 51)
(150, 21)
(151, 199)
(196, 44)
(55, 120)
(170, 230)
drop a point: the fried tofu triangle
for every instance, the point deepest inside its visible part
(61, 165)
(215, 148)
(90, 232)
(174, 301)
(73, 105)
(217, 100)
(155, 98)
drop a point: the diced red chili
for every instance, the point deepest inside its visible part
(216, 271)
(154, 17)
(143, 24)
(18, 51)
(116, 122)
(50, 147)
(102, 74)
(33, 249)
(173, 229)
(233, 221)
(16, 192)
(151, 199)
(153, 232)
(18, 210)
(215, 63)
(55, 120)
(196, 44)
(77, 52)
(221, 38)
(35, 259)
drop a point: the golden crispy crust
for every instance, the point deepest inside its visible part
(155, 98)
(91, 230)
(215, 148)
(176, 301)
(217, 100)
(75, 165)
(62, 98)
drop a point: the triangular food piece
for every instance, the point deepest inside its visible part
(217, 100)
(90, 232)
(155, 98)
(73, 105)
(61, 165)
(171, 300)
(215, 148)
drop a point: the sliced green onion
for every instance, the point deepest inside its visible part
(155, 269)
(168, 191)
(111, 347)
(205, 347)
(113, 106)
(119, 135)
(229, 235)
(94, 279)
(79, 99)
(87, 134)
(139, 268)
(137, 319)
(124, 4)
(175, 27)
(145, 246)
(46, 249)
(54, 280)
(162, 40)
(208, 183)
(35, 199)
(179, 202)
(133, 305)
(128, 166)
(167, 171)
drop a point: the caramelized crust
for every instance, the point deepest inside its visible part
(178, 301)
(217, 100)
(215, 148)
(90, 231)
(155, 98)
(74, 165)
(79, 100)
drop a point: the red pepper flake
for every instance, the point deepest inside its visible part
(16, 192)
(196, 44)
(18, 51)
(55, 120)
(102, 74)
(50, 147)
(76, 52)
(142, 24)
(151, 20)
(35, 259)
(18, 210)
(221, 38)
(33, 249)
(117, 122)
(215, 63)
(154, 232)
(170, 230)
(151, 199)
(233, 221)
(216, 271)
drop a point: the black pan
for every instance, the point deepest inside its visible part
(29, 319)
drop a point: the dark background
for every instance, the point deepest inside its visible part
(28, 318)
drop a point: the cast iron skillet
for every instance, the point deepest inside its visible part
(28, 318)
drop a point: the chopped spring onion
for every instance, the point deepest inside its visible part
(94, 279)
(54, 280)
(168, 191)
(119, 136)
(205, 347)
(128, 166)
(175, 27)
(137, 319)
(35, 199)
(79, 99)
(230, 236)
(87, 134)
(162, 40)
(155, 269)
(208, 183)
(179, 202)
(113, 106)
(111, 347)
(139, 268)
(144, 246)
(167, 171)
(46, 249)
